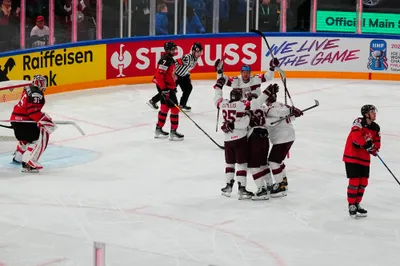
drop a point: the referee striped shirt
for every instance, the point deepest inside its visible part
(185, 64)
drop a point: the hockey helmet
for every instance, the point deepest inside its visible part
(168, 46)
(245, 68)
(236, 95)
(367, 108)
(197, 47)
(39, 82)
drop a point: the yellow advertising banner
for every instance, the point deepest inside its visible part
(60, 66)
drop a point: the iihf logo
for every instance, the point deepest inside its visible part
(377, 55)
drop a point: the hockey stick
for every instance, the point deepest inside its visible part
(305, 110)
(377, 154)
(56, 122)
(180, 110)
(216, 126)
(280, 71)
(10, 127)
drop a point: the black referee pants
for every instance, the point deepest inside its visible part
(186, 86)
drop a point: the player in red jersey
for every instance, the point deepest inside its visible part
(363, 140)
(33, 137)
(165, 80)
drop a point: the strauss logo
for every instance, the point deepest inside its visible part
(121, 60)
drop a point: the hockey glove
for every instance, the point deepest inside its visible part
(165, 94)
(272, 89)
(219, 66)
(273, 63)
(220, 83)
(47, 123)
(370, 147)
(227, 127)
(295, 111)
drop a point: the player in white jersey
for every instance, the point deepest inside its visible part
(246, 82)
(234, 126)
(282, 136)
(258, 143)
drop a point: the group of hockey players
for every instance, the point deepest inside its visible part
(250, 123)
(253, 120)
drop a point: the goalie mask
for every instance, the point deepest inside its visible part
(39, 82)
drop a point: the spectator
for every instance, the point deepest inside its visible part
(8, 26)
(193, 24)
(162, 20)
(269, 15)
(140, 17)
(199, 7)
(40, 33)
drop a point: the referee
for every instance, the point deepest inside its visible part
(183, 67)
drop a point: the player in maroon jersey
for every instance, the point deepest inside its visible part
(364, 139)
(33, 137)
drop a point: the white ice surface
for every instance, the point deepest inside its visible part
(156, 202)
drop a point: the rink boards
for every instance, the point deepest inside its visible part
(83, 65)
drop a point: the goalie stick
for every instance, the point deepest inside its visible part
(56, 122)
(305, 110)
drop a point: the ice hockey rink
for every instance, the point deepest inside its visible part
(157, 202)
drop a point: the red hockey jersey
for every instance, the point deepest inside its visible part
(165, 74)
(29, 106)
(360, 133)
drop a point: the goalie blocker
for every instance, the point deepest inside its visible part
(32, 137)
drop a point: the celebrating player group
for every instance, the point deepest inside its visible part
(248, 124)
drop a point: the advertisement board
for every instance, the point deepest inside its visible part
(134, 59)
(318, 54)
(338, 21)
(59, 66)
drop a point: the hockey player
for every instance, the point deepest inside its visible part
(183, 67)
(165, 82)
(282, 136)
(33, 137)
(246, 82)
(258, 142)
(364, 139)
(235, 126)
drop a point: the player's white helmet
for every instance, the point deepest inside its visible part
(39, 82)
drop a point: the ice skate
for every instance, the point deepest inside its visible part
(186, 108)
(361, 212)
(278, 190)
(176, 136)
(26, 168)
(227, 190)
(160, 133)
(244, 193)
(285, 183)
(261, 194)
(152, 104)
(352, 210)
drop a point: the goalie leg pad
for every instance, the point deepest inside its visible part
(19, 152)
(36, 149)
